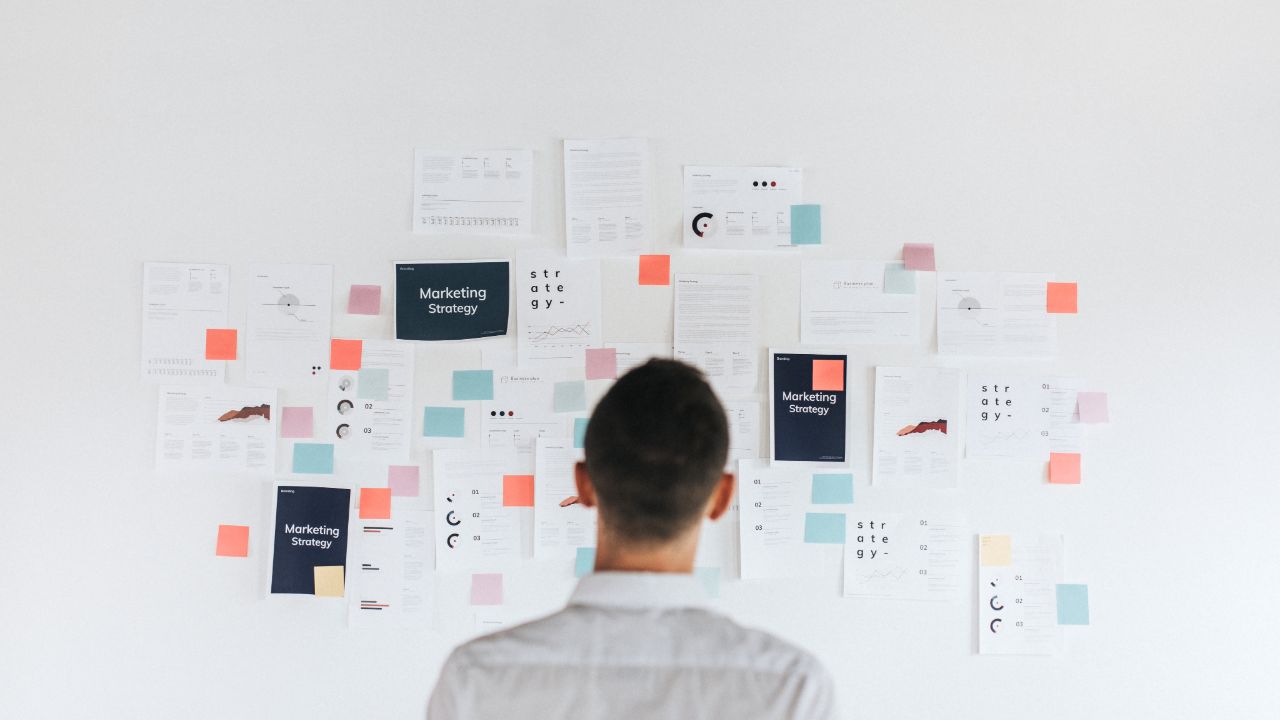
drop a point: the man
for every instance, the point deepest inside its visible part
(635, 641)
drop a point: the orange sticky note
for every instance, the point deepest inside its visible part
(375, 503)
(1061, 298)
(517, 490)
(233, 541)
(1064, 468)
(220, 344)
(345, 354)
(828, 375)
(655, 269)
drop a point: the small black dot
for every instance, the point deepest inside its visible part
(755, 184)
(492, 413)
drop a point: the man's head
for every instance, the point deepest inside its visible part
(655, 453)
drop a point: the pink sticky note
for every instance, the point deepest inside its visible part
(403, 480)
(364, 300)
(918, 256)
(296, 422)
(486, 589)
(1092, 407)
(1064, 468)
(602, 364)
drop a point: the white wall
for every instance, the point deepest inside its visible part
(1131, 146)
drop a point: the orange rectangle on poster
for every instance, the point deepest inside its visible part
(345, 354)
(220, 344)
(375, 503)
(1060, 298)
(517, 490)
(828, 375)
(655, 269)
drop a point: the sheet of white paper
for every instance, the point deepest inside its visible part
(744, 431)
(559, 528)
(179, 302)
(1018, 603)
(474, 531)
(606, 196)
(482, 192)
(1007, 415)
(917, 426)
(773, 503)
(365, 426)
(216, 428)
(995, 314)
(740, 208)
(521, 411)
(287, 323)
(1066, 432)
(389, 575)
(559, 309)
(903, 556)
(716, 328)
(843, 302)
(633, 354)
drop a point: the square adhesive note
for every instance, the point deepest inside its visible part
(345, 354)
(219, 344)
(832, 489)
(403, 480)
(806, 224)
(364, 300)
(1060, 298)
(995, 550)
(602, 363)
(313, 458)
(1073, 604)
(233, 541)
(655, 269)
(375, 503)
(584, 561)
(828, 375)
(898, 280)
(919, 256)
(486, 589)
(296, 422)
(373, 383)
(472, 384)
(448, 422)
(824, 528)
(1092, 407)
(517, 491)
(1064, 468)
(329, 581)
(570, 396)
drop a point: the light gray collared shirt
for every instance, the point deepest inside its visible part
(634, 646)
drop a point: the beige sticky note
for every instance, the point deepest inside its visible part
(995, 550)
(329, 581)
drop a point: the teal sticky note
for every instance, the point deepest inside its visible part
(570, 396)
(806, 224)
(710, 577)
(472, 384)
(898, 280)
(580, 432)
(444, 422)
(373, 383)
(832, 489)
(314, 458)
(584, 562)
(826, 528)
(1073, 604)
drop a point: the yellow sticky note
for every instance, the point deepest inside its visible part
(995, 550)
(329, 581)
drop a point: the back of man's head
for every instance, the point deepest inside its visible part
(655, 449)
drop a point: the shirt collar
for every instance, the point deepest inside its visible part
(639, 590)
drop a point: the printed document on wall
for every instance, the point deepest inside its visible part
(179, 302)
(843, 302)
(390, 571)
(744, 431)
(561, 523)
(474, 530)
(773, 504)
(1017, 594)
(371, 409)
(917, 426)
(716, 320)
(483, 192)
(1066, 432)
(606, 196)
(810, 411)
(559, 309)
(903, 556)
(287, 323)
(995, 314)
(216, 427)
(740, 208)
(1008, 415)
(521, 411)
(310, 532)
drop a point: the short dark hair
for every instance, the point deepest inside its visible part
(655, 448)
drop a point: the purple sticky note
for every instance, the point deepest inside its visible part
(295, 422)
(486, 589)
(364, 300)
(1092, 407)
(918, 256)
(602, 364)
(403, 480)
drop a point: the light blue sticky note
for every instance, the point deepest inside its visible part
(1073, 604)
(316, 458)
(710, 577)
(827, 528)
(373, 383)
(444, 422)
(806, 224)
(584, 562)
(472, 384)
(898, 280)
(570, 396)
(580, 432)
(833, 489)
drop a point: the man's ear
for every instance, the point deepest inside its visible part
(721, 497)
(586, 491)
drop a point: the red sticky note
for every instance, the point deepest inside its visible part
(345, 354)
(655, 269)
(1064, 468)
(364, 300)
(233, 541)
(517, 490)
(1061, 298)
(602, 363)
(486, 589)
(828, 375)
(375, 503)
(403, 480)
(220, 344)
(918, 256)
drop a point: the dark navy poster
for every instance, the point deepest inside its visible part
(452, 300)
(310, 532)
(809, 409)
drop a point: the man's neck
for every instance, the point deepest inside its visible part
(671, 557)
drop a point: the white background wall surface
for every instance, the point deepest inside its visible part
(1133, 146)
